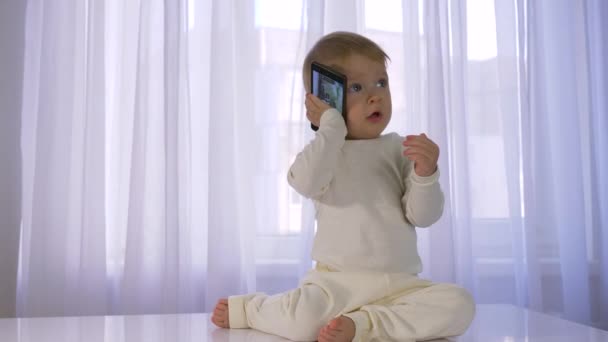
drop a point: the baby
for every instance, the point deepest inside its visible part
(370, 192)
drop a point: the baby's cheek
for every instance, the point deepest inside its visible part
(353, 111)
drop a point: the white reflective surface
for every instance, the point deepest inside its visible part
(500, 323)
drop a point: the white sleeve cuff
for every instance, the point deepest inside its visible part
(434, 178)
(332, 118)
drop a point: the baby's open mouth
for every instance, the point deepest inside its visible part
(375, 116)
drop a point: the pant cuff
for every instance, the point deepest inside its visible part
(237, 316)
(362, 325)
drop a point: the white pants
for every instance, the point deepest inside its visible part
(384, 307)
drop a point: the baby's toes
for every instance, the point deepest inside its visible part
(326, 334)
(215, 321)
(219, 311)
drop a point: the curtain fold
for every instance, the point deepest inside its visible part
(230, 153)
(156, 137)
(596, 13)
(66, 177)
(555, 81)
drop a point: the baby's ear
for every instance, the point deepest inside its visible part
(306, 84)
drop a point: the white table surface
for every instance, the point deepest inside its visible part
(504, 323)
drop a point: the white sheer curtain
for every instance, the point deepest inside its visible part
(154, 159)
(155, 138)
(515, 93)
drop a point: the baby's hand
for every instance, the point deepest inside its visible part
(423, 152)
(314, 108)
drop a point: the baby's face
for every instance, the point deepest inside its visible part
(368, 96)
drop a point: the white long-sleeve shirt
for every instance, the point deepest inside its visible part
(367, 197)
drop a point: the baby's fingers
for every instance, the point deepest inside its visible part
(419, 150)
(314, 99)
(318, 102)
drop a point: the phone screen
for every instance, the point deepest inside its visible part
(329, 90)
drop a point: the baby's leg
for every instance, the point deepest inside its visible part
(298, 314)
(437, 311)
(220, 314)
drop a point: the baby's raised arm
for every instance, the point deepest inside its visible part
(423, 199)
(313, 170)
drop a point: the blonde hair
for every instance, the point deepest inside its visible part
(341, 45)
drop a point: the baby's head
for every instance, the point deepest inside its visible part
(368, 96)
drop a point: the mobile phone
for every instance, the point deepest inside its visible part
(329, 86)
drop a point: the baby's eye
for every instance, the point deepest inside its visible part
(355, 88)
(382, 83)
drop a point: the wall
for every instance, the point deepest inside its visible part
(12, 29)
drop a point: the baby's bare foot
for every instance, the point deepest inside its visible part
(220, 314)
(341, 329)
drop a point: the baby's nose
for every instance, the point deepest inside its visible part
(373, 99)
